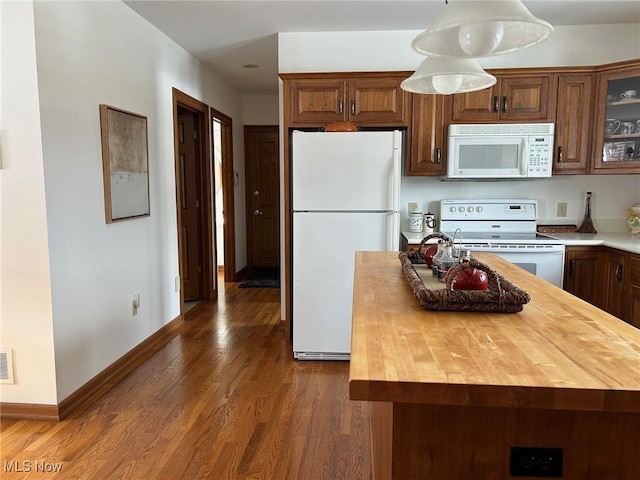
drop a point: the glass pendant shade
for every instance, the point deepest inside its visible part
(447, 75)
(482, 28)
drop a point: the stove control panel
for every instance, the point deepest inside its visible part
(489, 209)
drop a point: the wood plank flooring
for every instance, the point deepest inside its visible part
(223, 400)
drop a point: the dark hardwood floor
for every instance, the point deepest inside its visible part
(224, 399)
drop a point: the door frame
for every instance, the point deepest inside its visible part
(209, 267)
(248, 130)
(228, 207)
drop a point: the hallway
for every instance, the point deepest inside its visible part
(224, 399)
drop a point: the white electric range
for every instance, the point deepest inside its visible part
(506, 227)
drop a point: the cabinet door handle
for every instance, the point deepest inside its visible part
(495, 104)
(572, 267)
(560, 154)
(353, 107)
(438, 155)
(505, 106)
(619, 273)
(341, 105)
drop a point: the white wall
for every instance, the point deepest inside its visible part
(260, 109)
(391, 50)
(90, 53)
(26, 319)
(612, 196)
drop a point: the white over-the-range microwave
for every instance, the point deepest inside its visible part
(500, 151)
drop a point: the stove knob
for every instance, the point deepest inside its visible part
(478, 209)
(452, 209)
(470, 209)
(461, 209)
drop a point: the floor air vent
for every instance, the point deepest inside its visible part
(6, 365)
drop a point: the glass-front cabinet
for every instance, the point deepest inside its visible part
(617, 144)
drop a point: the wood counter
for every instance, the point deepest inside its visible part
(453, 391)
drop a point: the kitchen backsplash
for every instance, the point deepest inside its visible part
(612, 196)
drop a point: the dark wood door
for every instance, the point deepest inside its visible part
(263, 196)
(573, 124)
(427, 137)
(379, 100)
(189, 207)
(318, 101)
(582, 274)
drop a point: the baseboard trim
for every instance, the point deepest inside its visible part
(98, 385)
(29, 411)
(110, 376)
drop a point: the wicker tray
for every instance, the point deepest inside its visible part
(501, 296)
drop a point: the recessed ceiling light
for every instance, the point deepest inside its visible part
(250, 65)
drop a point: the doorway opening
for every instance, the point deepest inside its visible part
(224, 183)
(194, 202)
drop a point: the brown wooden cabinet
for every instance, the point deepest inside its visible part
(617, 119)
(525, 97)
(582, 272)
(631, 296)
(428, 138)
(366, 101)
(573, 123)
(613, 282)
(607, 278)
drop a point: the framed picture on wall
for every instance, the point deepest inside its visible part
(125, 164)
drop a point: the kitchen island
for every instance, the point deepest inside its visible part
(452, 392)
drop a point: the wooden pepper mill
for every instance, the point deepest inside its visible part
(587, 223)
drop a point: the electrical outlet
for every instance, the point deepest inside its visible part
(535, 462)
(135, 304)
(562, 209)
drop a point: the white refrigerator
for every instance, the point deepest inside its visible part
(345, 191)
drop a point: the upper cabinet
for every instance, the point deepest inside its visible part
(375, 100)
(617, 121)
(428, 139)
(514, 98)
(573, 123)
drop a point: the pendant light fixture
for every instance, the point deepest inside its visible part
(482, 28)
(467, 29)
(447, 75)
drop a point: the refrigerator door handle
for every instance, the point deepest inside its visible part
(397, 146)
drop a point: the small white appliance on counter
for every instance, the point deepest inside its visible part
(345, 194)
(500, 151)
(508, 228)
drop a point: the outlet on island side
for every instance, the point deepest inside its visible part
(535, 462)
(562, 209)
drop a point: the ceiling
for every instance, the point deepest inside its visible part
(228, 35)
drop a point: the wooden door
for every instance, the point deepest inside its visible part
(480, 106)
(527, 99)
(582, 272)
(189, 206)
(427, 136)
(318, 101)
(614, 276)
(631, 296)
(575, 102)
(263, 196)
(377, 100)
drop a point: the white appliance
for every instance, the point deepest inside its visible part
(506, 228)
(495, 151)
(345, 190)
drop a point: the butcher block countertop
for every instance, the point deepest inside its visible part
(559, 353)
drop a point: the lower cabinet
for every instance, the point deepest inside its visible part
(607, 278)
(632, 293)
